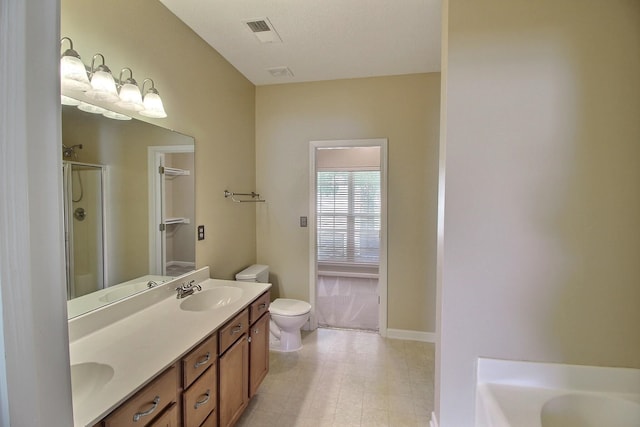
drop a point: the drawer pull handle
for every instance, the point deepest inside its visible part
(199, 403)
(256, 331)
(149, 411)
(262, 306)
(204, 361)
(236, 329)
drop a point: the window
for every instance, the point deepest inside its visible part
(348, 215)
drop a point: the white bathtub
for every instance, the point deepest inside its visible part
(525, 394)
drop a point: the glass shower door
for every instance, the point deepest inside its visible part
(84, 227)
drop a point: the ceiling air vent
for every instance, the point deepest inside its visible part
(280, 72)
(263, 30)
(258, 26)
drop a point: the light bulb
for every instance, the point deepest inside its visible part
(130, 97)
(153, 105)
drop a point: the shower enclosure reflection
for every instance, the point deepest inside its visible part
(84, 227)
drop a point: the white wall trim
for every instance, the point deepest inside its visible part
(434, 420)
(35, 385)
(403, 334)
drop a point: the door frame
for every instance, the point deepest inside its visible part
(155, 159)
(313, 267)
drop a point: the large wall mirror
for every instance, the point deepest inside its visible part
(129, 207)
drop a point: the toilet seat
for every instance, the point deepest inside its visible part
(289, 307)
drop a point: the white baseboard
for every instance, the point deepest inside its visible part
(403, 334)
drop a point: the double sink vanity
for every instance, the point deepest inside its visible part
(156, 360)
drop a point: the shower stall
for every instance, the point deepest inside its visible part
(84, 227)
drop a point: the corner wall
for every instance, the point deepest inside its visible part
(403, 109)
(204, 96)
(542, 211)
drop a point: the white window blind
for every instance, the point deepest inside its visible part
(348, 215)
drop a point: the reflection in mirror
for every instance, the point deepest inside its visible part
(129, 207)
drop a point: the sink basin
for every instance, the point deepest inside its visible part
(211, 299)
(86, 378)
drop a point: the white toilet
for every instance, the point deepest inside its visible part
(287, 315)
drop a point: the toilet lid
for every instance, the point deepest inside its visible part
(289, 307)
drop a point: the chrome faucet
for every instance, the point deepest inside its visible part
(187, 289)
(152, 283)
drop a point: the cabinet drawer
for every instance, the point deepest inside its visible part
(211, 421)
(168, 419)
(145, 405)
(259, 307)
(196, 362)
(233, 330)
(200, 399)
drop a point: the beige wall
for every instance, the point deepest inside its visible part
(403, 109)
(541, 240)
(204, 97)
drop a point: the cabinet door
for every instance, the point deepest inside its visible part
(234, 382)
(258, 353)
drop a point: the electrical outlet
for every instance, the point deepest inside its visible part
(303, 221)
(201, 232)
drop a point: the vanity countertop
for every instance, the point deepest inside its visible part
(143, 344)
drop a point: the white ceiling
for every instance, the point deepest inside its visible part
(321, 39)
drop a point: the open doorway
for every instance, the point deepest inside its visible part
(171, 209)
(348, 262)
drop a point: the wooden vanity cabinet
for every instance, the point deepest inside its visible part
(209, 386)
(150, 402)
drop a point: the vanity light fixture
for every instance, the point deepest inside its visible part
(73, 74)
(103, 86)
(98, 84)
(130, 96)
(152, 102)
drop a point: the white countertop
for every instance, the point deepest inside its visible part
(144, 343)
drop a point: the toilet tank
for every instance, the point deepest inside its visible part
(254, 273)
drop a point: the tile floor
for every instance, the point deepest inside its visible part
(346, 378)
